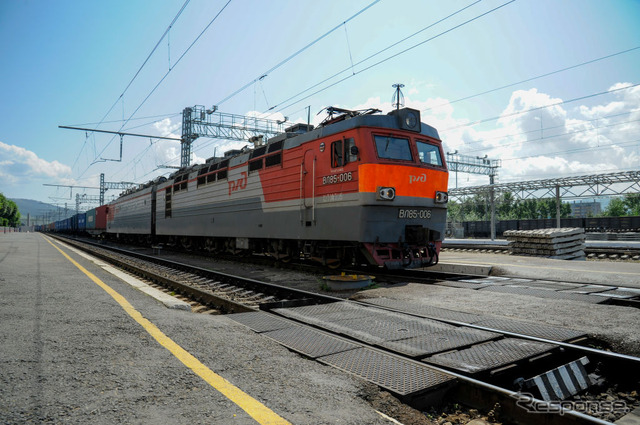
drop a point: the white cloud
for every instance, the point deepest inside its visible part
(167, 128)
(626, 98)
(552, 141)
(166, 152)
(18, 163)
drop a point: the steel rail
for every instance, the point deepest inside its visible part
(289, 296)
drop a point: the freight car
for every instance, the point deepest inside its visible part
(96, 221)
(361, 188)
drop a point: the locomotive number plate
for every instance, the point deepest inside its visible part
(414, 213)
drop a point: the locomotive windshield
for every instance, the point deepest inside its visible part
(429, 154)
(393, 148)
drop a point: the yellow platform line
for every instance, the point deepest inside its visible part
(253, 407)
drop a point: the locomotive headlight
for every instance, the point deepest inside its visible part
(442, 197)
(386, 193)
(410, 120)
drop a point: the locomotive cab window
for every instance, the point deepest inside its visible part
(390, 147)
(337, 155)
(342, 152)
(350, 150)
(429, 154)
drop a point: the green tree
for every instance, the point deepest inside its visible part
(632, 202)
(616, 208)
(507, 208)
(9, 213)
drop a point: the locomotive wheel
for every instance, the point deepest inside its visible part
(186, 243)
(278, 251)
(209, 245)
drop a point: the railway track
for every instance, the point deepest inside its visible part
(363, 339)
(603, 293)
(593, 253)
(223, 292)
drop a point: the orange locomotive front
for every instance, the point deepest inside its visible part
(371, 188)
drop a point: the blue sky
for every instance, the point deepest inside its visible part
(68, 62)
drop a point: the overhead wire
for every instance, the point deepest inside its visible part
(165, 75)
(145, 124)
(543, 139)
(166, 32)
(385, 59)
(537, 108)
(122, 120)
(520, 177)
(136, 159)
(138, 72)
(532, 78)
(575, 150)
(604, 117)
(387, 48)
(284, 61)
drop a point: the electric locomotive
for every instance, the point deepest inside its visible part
(362, 187)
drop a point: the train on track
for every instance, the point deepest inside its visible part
(362, 187)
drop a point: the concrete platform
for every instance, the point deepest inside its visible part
(618, 273)
(79, 345)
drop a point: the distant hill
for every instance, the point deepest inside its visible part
(41, 212)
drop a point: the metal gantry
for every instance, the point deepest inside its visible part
(86, 199)
(472, 164)
(476, 165)
(610, 184)
(104, 186)
(589, 186)
(200, 122)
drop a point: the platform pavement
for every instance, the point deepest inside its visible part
(72, 352)
(619, 273)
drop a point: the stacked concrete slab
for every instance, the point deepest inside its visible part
(562, 244)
